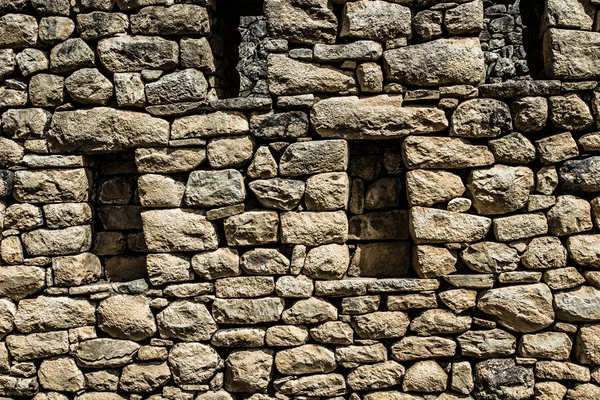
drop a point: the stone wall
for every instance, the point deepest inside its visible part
(378, 216)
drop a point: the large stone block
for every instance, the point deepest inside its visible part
(178, 229)
(208, 125)
(178, 19)
(52, 185)
(572, 54)
(135, 53)
(443, 152)
(58, 242)
(375, 20)
(252, 228)
(314, 228)
(307, 158)
(379, 117)
(430, 225)
(215, 188)
(52, 313)
(103, 129)
(306, 22)
(437, 63)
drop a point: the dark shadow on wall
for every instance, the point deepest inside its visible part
(531, 12)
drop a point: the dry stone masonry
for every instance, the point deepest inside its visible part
(299, 200)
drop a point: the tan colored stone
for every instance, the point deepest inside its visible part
(430, 225)
(443, 152)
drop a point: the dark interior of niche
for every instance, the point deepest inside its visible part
(531, 12)
(230, 15)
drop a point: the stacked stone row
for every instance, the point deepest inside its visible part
(382, 226)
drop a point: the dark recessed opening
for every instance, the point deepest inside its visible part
(531, 12)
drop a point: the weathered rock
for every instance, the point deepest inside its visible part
(265, 262)
(459, 300)
(247, 311)
(520, 226)
(135, 53)
(557, 148)
(18, 30)
(503, 379)
(46, 90)
(249, 371)
(251, 228)
(570, 14)
(443, 152)
(310, 311)
(430, 225)
(38, 345)
(17, 386)
(76, 270)
(524, 308)
(480, 118)
(490, 257)
(287, 76)
(465, 18)
(129, 89)
(553, 345)
(411, 348)
(187, 321)
(439, 322)
(186, 85)
(301, 158)
(178, 19)
(581, 175)
(328, 191)
(51, 313)
(530, 113)
(487, 344)
(579, 305)
(381, 325)
(426, 188)
(500, 189)
(583, 391)
(294, 286)
(570, 54)
(329, 261)
(314, 228)
(439, 62)
(230, 151)
(61, 374)
(432, 261)
(375, 376)
(286, 335)
(393, 20)
(89, 86)
(160, 191)
(321, 385)
(425, 376)
(306, 359)
(378, 117)
(570, 215)
(98, 24)
(106, 353)
(570, 113)
(126, 317)
(52, 185)
(557, 370)
(187, 230)
(58, 242)
(193, 363)
(215, 188)
(309, 22)
(281, 194)
(585, 249)
(545, 252)
(144, 377)
(105, 129)
(31, 61)
(379, 226)
(246, 286)
(208, 125)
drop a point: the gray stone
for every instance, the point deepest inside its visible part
(440, 62)
(178, 19)
(89, 86)
(287, 76)
(230, 151)
(580, 305)
(187, 230)
(218, 123)
(131, 53)
(481, 118)
(52, 185)
(569, 215)
(18, 30)
(215, 188)
(502, 379)
(100, 24)
(378, 117)
(581, 175)
(46, 90)
(55, 29)
(129, 89)
(570, 54)
(26, 123)
(70, 55)
(570, 113)
(186, 85)
(578, 14)
(358, 20)
(186, 321)
(105, 129)
(196, 53)
(106, 353)
(273, 125)
(277, 193)
(530, 113)
(309, 22)
(361, 50)
(301, 158)
(465, 18)
(31, 61)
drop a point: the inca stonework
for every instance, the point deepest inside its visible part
(301, 199)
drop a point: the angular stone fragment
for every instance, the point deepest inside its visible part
(328, 191)
(286, 335)
(105, 129)
(26, 123)
(361, 50)
(70, 55)
(76, 270)
(281, 194)
(135, 53)
(187, 321)
(381, 325)
(432, 262)
(513, 149)
(411, 348)
(51, 313)
(193, 363)
(520, 226)
(287, 76)
(178, 19)
(38, 345)
(249, 371)
(439, 322)
(438, 226)
(187, 230)
(160, 191)
(186, 85)
(18, 30)
(557, 148)
(378, 117)
(375, 376)
(425, 376)
(247, 311)
(99, 24)
(569, 14)
(30, 61)
(327, 262)
(251, 228)
(305, 158)
(570, 113)
(581, 175)
(487, 344)
(490, 257)
(425, 188)
(208, 125)
(503, 379)
(571, 54)
(580, 305)
(265, 262)
(239, 337)
(52, 185)
(46, 90)
(523, 308)
(380, 259)
(500, 189)
(89, 86)
(440, 62)
(530, 113)
(106, 353)
(443, 152)
(375, 20)
(58, 242)
(126, 317)
(61, 374)
(583, 391)
(570, 215)
(129, 89)
(314, 228)
(465, 18)
(310, 311)
(556, 370)
(553, 345)
(144, 377)
(585, 250)
(310, 22)
(321, 385)
(220, 263)
(168, 160)
(306, 359)
(480, 118)
(18, 282)
(230, 151)
(215, 188)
